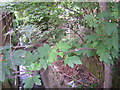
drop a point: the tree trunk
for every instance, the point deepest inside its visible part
(107, 76)
(107, 67)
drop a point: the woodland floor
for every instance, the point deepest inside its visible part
(78, 76)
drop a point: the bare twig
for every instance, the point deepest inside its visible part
(78, 34)
(23, 74)
(15, 76)
(42, 72)
(23, 71)
(78, 49)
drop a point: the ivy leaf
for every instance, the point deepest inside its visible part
(72, 60)
(29, 82)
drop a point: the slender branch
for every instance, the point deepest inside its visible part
(78, 35)
(78, 50)
(23, 71)
(15, 76)
(23, 74)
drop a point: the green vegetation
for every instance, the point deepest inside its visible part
(37, 21)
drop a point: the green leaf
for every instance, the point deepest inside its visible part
(3, 71)
(34, 66)
(115, 42)
(43, 63)
(105, 57)
(89, 53)
(72, 60)
(110, 27)
(70, 64)
(104, 14)
(63, 46)
(90, 38)
(51, 57)
(115, 11)
(114, 53)
(88, 17)
(29, 59)
(29, 82)
(108, 44)
(43, 51)
(16, 60)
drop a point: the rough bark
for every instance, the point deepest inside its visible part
(107, 67)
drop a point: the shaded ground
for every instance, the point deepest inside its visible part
(78, 76)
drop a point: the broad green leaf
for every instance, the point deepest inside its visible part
(60, 54)
(71, 64)
(43, 51)
(110, 28)
(89, 53)
(51, 57)
(105, 57)
(115, 42)
(29, 59)
(114, 53)
(43, 63)
(90, 38)
(34, 66)
(104, 14)
(115, 11)
(15, 59)
(72, 60)
(88, 17)
(108, 44)
(29, 82)
(63, 46)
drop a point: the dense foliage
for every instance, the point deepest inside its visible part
(52, 21)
